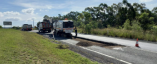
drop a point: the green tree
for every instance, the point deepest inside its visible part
(46, 17)
(60, 16)
(38, 24)
(115, 15)
(154, 10)
(91, 10)
(85, 17)
(146, 21)
(154, 13)
(154, 29)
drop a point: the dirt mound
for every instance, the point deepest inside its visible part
(85, 44)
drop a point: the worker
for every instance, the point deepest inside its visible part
(75, 32)
(53, 34)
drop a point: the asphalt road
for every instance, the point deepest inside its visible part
(145, 45)
(121, 55)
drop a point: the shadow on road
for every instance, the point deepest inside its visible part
(50, 35)
(82, 41)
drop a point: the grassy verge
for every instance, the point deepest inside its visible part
(19, 47)
(34, 28)
(148, 36)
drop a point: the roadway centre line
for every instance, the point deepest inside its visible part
(104, 54)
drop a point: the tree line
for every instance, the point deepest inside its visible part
(123, 14)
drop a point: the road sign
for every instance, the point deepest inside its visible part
(7, 23)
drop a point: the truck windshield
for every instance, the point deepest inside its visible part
(46, 24)
(68, 24)
(30, 26)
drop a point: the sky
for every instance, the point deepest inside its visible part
(24, 11)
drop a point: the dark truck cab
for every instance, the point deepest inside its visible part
(44, 26)
(27, 27)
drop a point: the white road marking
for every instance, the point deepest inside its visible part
(106, 55)
(118, 48)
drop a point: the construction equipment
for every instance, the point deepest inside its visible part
(27, 27)
(44, 26)
(63, 27)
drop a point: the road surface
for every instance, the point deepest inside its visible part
(149, 46)
(120, 55)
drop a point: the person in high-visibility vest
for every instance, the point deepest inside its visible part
(53, 34)
(75, 32)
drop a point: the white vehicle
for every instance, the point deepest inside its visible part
(44, 26)
(27, 27)
(63, 27)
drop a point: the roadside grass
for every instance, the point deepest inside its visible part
(114, 32)
(35, 28)
(20, 47)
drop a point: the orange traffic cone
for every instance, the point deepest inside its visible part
(136, 45)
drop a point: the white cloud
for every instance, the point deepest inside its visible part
(28, 11)
(49, 7)
(35, 5)
(40, 10)
(145, 0)
(11, 13)
(31, 19)
(43, 10)
(13, 19)
(46, 10)
(1, 14)
(64, 13)
(77, 8)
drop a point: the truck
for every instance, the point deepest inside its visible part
(26, 27)
(44, 26)
(63, 28)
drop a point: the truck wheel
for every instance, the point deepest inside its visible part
(62, 35)
(65, 35)
(59, 33)
(49, 31)
(43, 31)
(71, 36)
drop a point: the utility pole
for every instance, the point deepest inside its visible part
(33, 23)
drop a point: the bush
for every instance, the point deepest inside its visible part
(63, 46)
(108, 26)
(136, 26)
(133, 34)
(119, 27)
(154, 29)
(0, 26)
(16, 27)
(127, 25)
(88, 28)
